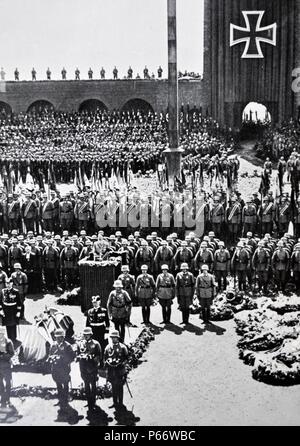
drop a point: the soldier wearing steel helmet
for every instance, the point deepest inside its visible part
(119, 308)
(165, 289)
(184, 291)
(145, 292)
(280, 265)
(205, 291)
(239, 265)
(61, 355)
(115, 357)
(89, 356)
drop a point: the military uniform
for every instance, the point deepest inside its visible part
(221, 267)
(20, 283)
(29, 214)
(10, 306)
(205, 290)
(184, 290)
(68, 261)
(118, 307)
(66, 215)
(145, 293)
(128, 282)
(183, 255)
(97, 319)
(143, 256)
(47, 215)
(295, 266)
(283, 217)
(249, 218)
(163, 256)
(61, 356)
(261, 264)
(280, 265)
(165, 288)
(115, 357)
(217, 218)
(13, 214)
(233, 218)
(6, 353)
(297, 219)
(89, 357)
(82, 213)
(50, 261)
(267, 215)
(239, 265)
(203, 257)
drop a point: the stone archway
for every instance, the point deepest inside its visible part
(91, 106)
(5, 109)
(256, 112)
(137, 104)
(40, 106)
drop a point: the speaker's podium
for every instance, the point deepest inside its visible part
(97, 278)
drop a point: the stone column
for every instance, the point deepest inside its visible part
(173, 153)
(297, 52)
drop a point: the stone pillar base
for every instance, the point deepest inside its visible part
(173, 159)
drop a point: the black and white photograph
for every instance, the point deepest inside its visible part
(149, 145)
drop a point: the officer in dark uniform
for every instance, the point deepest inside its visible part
(97, 319)
(10, 309)
(6, 353)
(184, 290)
(60, 357)
(89, 356)
(115, 356)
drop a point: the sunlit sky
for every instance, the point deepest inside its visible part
(95, 33)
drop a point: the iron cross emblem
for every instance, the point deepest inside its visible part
(256, 34)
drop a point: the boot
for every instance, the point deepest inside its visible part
(187, 316)
(168, 314)
(148, 315)
(144, 315)
(208, 315)
(164, 315)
